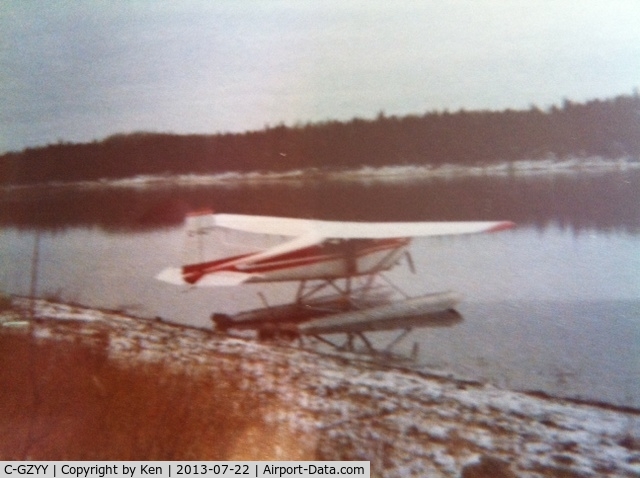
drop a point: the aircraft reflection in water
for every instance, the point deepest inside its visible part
(344, 258)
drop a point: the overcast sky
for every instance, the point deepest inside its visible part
(82, 70)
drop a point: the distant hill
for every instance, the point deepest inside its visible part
(605, 128)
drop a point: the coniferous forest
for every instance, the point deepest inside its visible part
(602, 128)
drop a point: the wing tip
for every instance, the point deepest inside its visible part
(200, 212)
(502, 226)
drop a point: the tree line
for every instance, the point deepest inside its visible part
(607, 128)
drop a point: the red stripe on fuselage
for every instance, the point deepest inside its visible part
(322, 253)
(193, 273)
(326, 251)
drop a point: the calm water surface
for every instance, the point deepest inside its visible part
(553, 305)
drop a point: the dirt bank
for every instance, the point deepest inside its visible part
(79, 383)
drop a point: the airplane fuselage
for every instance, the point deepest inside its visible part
(331, 259)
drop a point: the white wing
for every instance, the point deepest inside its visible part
(281, 226)
(385, 230)
(353, 230)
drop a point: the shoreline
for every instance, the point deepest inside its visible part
(365, 174)
(314, 406)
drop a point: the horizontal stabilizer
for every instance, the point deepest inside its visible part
(225, 278)
(172, 275)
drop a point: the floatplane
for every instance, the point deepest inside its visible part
(338, 266)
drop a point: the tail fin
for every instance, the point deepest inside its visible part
(198, 225)
(203, 253)
(195, 247)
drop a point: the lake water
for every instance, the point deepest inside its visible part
(553, 305)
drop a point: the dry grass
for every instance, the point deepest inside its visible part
(60, 400)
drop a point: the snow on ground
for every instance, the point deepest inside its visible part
(405, 423)
(364, 173)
